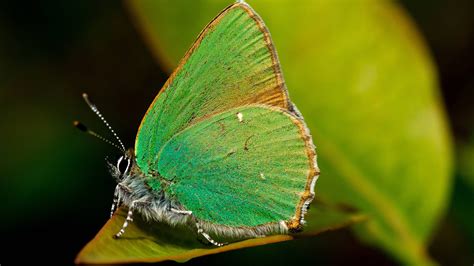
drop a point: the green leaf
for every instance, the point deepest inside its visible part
(154, 242)
(364, 80)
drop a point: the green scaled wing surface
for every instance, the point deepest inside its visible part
(222, 137)
(247, 166)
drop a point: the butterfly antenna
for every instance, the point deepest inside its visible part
(97, 112)
(83, 128)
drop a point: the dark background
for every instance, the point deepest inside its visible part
(54, 182)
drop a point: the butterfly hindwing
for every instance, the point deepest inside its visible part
(247, 166)
(232, 63)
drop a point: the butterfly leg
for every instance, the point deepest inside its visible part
(181, 211)
(125, 224)
(129, 217)
(208, 237)
(116, 201)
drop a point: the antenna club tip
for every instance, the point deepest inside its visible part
(84, 95)
(80, 126)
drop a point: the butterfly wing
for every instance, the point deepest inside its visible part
(232, 63)
(247, 166)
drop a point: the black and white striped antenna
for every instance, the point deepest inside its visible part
(83, 128)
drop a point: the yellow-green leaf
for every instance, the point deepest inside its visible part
(364, 80)
(154, 242)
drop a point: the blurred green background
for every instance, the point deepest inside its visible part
(54, 180)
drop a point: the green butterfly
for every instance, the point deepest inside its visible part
(222, 149)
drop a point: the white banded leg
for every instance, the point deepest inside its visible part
(207, 236)
(116, 201)
(127, 220)
(181, 212)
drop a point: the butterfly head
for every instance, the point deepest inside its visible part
(124, 166)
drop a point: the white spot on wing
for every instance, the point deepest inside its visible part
(240, 116)
(262, 176)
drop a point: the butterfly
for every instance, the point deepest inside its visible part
(221, 149)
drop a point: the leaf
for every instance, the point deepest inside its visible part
(154, 242)
(364, 80)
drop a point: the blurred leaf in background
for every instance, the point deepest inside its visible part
(364, 80)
